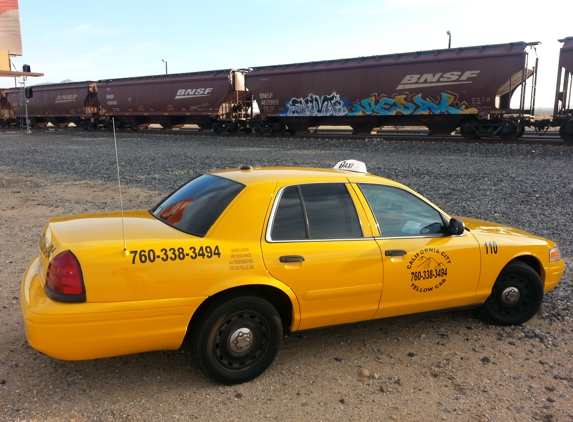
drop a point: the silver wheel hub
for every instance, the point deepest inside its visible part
(510, 295)
(241, 340)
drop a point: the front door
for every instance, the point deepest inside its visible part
(425, 268)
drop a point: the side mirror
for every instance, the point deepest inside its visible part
(456, 227)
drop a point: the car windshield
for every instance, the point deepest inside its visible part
(195, 206)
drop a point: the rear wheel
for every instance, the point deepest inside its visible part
(236, 339)
(516, 295)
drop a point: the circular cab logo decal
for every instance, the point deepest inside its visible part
(428, 270)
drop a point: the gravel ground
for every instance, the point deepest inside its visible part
(449, 366)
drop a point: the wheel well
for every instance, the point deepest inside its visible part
(276, 297)
(531, 262)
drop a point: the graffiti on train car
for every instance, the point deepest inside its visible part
(317, 105)
(401, 104)
(333, 105)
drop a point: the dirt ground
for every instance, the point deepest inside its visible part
(448, 366)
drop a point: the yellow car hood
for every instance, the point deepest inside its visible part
(482, 226)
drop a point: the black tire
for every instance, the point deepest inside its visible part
(516, 295)
(216, 339)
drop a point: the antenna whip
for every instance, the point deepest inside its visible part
(119, 184)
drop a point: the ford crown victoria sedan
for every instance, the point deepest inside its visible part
(235, 259)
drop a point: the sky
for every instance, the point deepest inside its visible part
(79, 41)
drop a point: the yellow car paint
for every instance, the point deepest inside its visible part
(145, 279)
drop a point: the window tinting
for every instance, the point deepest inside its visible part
(399, 213)
(326, 212)
(289, 220)
(331, 213)
(194, 207)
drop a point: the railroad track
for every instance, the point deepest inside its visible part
(418, 135)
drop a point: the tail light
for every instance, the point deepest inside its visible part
(64, 281)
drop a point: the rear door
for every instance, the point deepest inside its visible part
(316, 244)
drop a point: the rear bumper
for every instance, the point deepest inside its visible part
(79, 331)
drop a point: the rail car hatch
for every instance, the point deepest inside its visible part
(505, 92)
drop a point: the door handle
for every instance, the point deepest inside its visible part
(395, 252)
(291, 258)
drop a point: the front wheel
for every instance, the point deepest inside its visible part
(236, 339)
(516, 295)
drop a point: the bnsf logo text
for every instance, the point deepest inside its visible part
(66, 98)
(438, 79)
(191, 93)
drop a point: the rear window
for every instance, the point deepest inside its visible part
(196, 206)
(316, 211)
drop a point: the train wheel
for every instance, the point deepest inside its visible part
(508, 130)
(566, 131)
(278, 129)
(469, 130)
(258, 129)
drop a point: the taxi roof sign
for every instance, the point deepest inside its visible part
(351, 165)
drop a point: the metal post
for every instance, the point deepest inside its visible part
(449, 38)
(165, 61)
(26, 100)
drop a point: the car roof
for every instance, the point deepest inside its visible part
(256, 175)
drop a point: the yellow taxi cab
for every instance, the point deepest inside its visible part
(235, 259)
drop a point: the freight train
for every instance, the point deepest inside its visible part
(481, 91)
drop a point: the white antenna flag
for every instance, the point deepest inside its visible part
(119, 184)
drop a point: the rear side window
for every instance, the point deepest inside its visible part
(316, 211)
(196, 206)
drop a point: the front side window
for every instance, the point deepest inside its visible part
(316, 211)
(196, 206)
(399, 213)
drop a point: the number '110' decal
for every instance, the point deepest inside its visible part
(490, 247)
